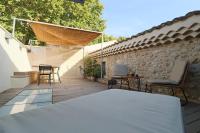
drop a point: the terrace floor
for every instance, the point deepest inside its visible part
(71, 88)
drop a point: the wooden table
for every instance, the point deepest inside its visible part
(122, 80)
(53, 71)
(127, 79)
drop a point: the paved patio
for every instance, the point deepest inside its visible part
(72, 88)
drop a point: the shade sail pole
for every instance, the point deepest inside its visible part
(102, 40)
(13, 29)
(83, 62)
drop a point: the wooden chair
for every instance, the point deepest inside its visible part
(45, 70)
(176, 79)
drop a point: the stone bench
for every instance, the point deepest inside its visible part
(22, 79)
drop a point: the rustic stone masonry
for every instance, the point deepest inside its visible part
(153, 54)
(157, 63)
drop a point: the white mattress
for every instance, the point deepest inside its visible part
(111, 111)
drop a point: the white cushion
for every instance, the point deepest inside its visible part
(111, 111)
(178, 71)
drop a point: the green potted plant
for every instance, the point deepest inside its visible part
(92, 70)
(88, 67)
(97, 72)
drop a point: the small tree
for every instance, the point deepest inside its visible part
(97, 71)
(92, 68)
(88, 69)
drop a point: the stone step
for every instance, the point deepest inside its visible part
(20, 81)
(21, 73)
(31, 74)
(25, 73)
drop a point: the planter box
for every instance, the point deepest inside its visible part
(91, 78)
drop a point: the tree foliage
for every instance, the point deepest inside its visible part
(121, 38)
(63, 12)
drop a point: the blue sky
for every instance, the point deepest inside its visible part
(129, 17)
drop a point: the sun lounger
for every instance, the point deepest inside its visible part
(176, 79)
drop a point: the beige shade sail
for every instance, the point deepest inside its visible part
(60, 35)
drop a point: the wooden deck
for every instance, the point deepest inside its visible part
(71, 88)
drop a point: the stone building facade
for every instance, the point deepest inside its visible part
(152, 53)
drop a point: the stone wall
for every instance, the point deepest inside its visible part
(157, 63)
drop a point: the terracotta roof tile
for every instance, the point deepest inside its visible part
(181, 28)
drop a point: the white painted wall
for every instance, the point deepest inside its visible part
(13, 58)
(67, 58)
